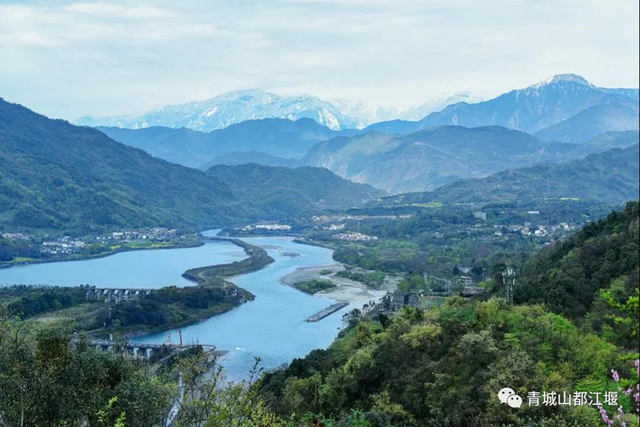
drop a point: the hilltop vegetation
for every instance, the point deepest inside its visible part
(594, 271)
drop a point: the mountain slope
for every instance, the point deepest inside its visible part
(301, 189)
(430, 158)
(246, 157)
(529, 110)
(277, 137)
(421, 111)
(619, 116)
(610, 177)
(231, 108)
(568, 276)
(56, 176)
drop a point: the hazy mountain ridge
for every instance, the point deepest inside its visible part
(299, 188)
(277, 137)
(609, 177)
(529, 109)
(57, 176)
(245, 157)
(588, 123)
(430, 158)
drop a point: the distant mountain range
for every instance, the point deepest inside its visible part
(610, 177)
(432, 157)
(56, 176)
(421, 111)
(238, 106)
(231, 108)
(588, 123)
(274, 137)
(529, 110)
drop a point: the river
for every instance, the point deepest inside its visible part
(272, 327)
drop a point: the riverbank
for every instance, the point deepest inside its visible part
(190, 243)
(163, 308)
(346, 290)
(257, 259)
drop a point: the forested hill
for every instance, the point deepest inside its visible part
(445, 366)
(579, 275)
(610, 177)
(56, 176)
(275, 188)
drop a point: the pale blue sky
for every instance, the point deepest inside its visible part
(66, 59)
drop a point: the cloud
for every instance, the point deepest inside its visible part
(67, 59)
(118, 11)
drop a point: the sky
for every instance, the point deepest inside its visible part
(68, 58)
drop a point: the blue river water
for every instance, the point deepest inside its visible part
(134, 269)
(272, 327)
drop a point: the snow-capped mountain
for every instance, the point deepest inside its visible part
(365, 113)
(238, 106)
(421, 111)
(230, 108)
(533, 108)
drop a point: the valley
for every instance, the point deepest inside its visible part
(350, 271)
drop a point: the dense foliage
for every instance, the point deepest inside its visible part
(568, 275)
(27, 301)
(445, 366)
(46, 379)
(594, 270)
(172, 306)
(373, 280)
(313, 286)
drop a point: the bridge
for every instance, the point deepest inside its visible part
(142, 350)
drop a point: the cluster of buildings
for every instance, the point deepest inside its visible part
(157, 233)
(354, 236)
(530, 229)
(63, 246)
(109, 295)
(342, 218)
(17, 236)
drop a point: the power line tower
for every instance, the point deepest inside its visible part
(508, 280)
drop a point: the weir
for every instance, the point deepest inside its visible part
(327, 311)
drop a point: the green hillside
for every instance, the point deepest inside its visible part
(570, 276)
(610, 177)
(59, 177)
(279, 190)
(445, 366)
